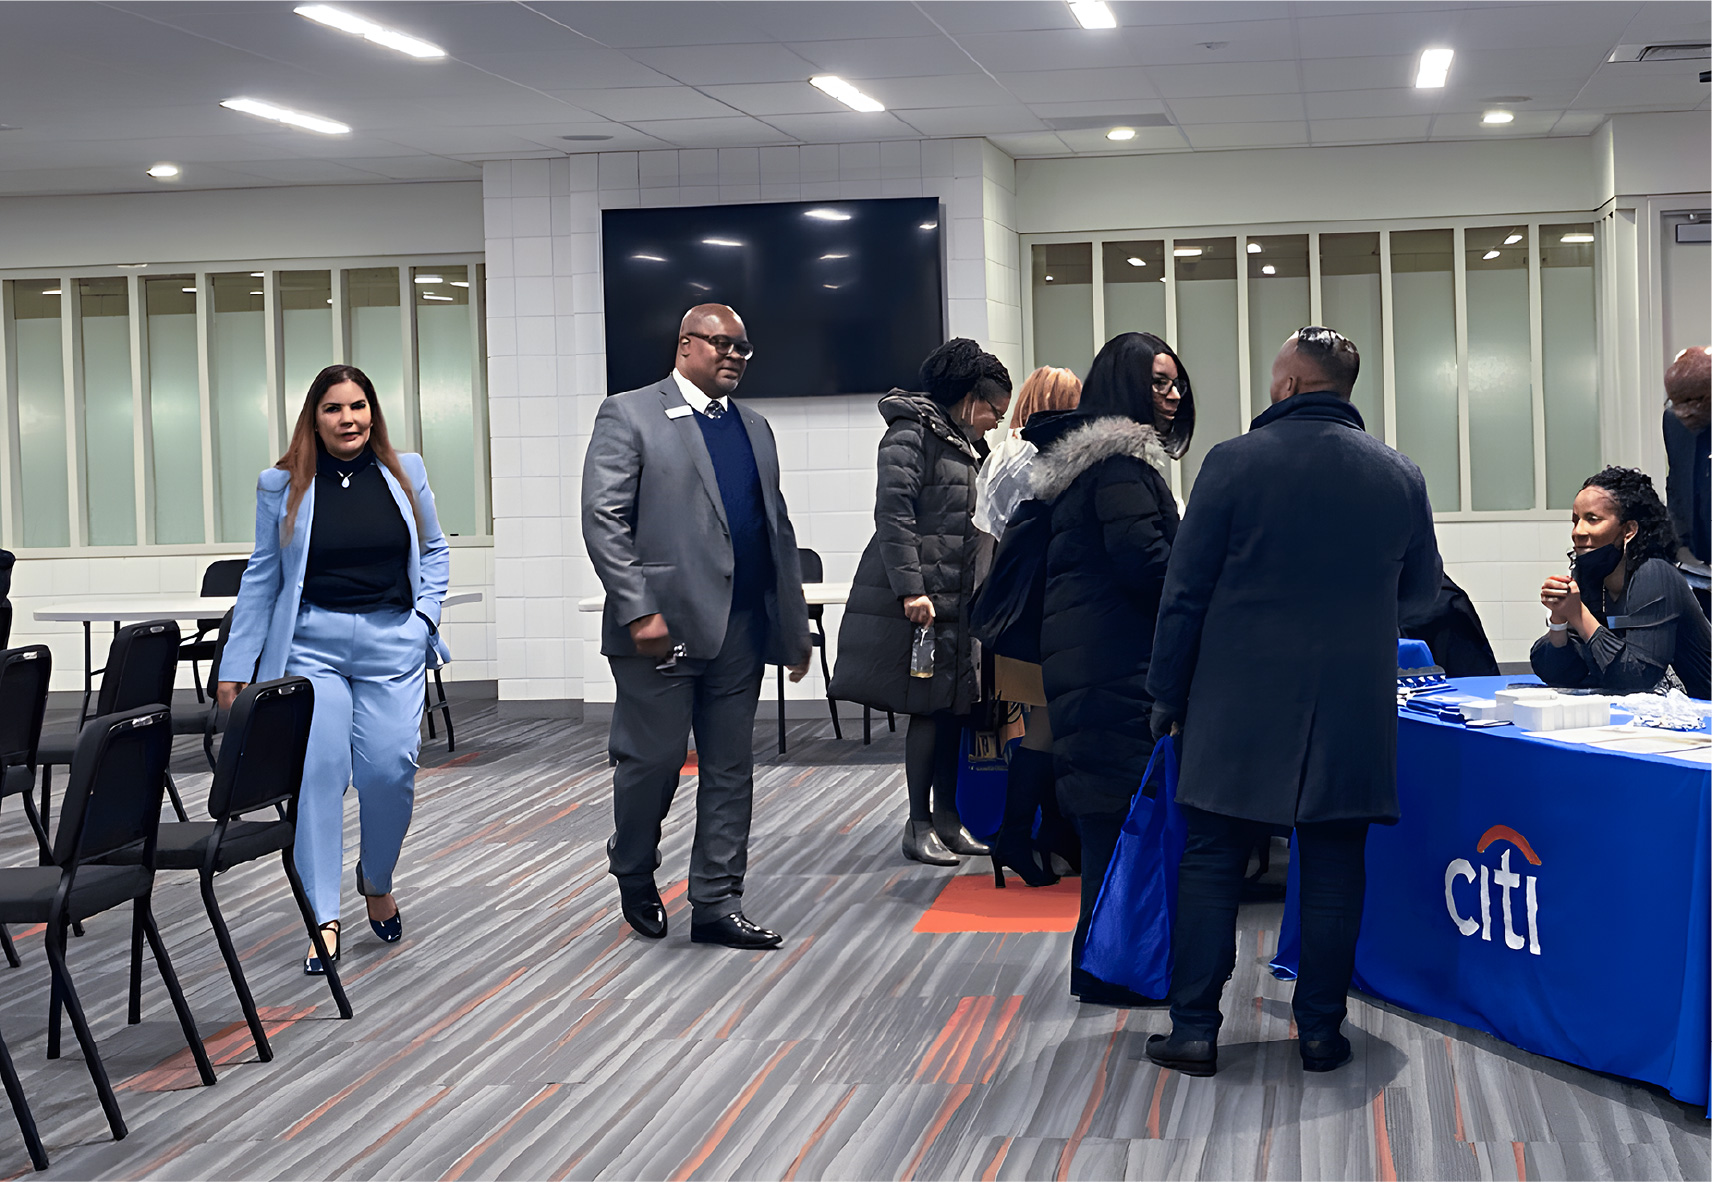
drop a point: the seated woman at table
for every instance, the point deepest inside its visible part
(1627, 621)
(344, 588)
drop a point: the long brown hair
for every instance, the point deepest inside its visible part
(299, 457)
(1045, 389)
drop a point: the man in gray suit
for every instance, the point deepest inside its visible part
(687, 529)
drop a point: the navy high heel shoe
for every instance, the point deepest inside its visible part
(388, 931)
(312, 966)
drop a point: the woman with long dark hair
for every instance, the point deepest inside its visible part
(1113, 523)
(344, 588)
(1626, 620)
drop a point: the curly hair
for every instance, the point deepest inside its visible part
(951, 371)
(1637, 501)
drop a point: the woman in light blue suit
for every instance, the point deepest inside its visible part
(349, 598)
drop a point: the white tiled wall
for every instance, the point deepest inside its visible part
(1501, 565)
(546, 364)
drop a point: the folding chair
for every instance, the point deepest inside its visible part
(24, 674)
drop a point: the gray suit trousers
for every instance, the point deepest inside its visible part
(651, 724)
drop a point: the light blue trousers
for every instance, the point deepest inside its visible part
(367, 669)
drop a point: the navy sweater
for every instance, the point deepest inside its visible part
(740, 490)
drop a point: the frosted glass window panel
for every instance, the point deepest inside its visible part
(1063, 285)
(1207, 343)
(45, 498)
(1278, 304)
(1133, 275)
(1350, 303)
(445, 375)
(377, 341)
(1423, 284)
(1685, 279)
(1569, 344)
(1500, 369)
(238, 368)
(109, 470)
(175, 407)
(306, 311)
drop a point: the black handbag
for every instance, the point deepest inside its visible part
(1006, 612)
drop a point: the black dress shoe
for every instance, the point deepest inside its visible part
(640, 902)
(1325, 1054)
(1189, 1056)
(958, 839)
(734, 931)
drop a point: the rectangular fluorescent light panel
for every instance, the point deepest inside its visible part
(1093, 14)
(1575, 238)
(1491, 254)
(1512, 240)
(392, 39)
(1185, 252)
(428, 279)
(1435, 67)
(287, 116)
(845, 93)
(1254, 248)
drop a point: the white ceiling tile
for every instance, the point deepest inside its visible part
(629, 104)
(1579, 123)
(567, 70)
(1047, 49)
(944, 90)
(1395, 129)
(1191, 12)
(630, 25)
(959, 16)
(1242, 41)
(858, 59)
(1681, 20)
(740, 131)
(1113, 109)
(832, 22)
(1031, 143)
(968, 121)
(307, 172)
(1126, 86)
(1532, 26)
(1253, 108)
(1377, 34)
(1370, 104)
(696, 66)
(1206, 81)
(417, 168)
(1358, 73)
(1147, 139)
(1673, 84)
(1467, 125)
(774, 98)
(1247, 135)
(843, 127)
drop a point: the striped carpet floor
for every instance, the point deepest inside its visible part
(521, 1031)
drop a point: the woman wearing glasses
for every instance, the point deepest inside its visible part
(1113, 522)
(344, 588)
(919, 571)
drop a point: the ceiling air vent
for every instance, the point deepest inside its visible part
(1672, 51)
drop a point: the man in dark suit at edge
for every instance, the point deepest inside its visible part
(1275, 659)
(687, 528)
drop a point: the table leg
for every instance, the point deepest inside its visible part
(88, 675)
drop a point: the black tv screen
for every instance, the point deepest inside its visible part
(839, 297)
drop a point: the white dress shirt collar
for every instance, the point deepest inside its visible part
(696, 396)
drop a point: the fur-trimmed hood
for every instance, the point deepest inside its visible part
(1063, 460)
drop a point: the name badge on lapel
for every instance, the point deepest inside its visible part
(678, 412)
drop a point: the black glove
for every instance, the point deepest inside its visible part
(1162, 721)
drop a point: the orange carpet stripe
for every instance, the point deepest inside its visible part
(1455, 1098)
(1001, 1038)
(460, 761)
(1153, 1106)
(469, 1159)
(1386, 1168)
(970, 903)
(729, 1118)
(785, 966)
(945, 1034)
(947, 1110)
(967, 1040)
(1521, 1161)
(991, 1173)
(1095, 1095)
(394, 1131)
(225, 1046)
(820, 1131)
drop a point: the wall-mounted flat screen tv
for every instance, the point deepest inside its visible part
(839, 297)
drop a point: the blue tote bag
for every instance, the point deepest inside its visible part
(982, 775)
(1129, 936)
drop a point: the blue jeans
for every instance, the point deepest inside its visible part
(367, 669)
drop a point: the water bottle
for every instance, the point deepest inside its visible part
(921, 652)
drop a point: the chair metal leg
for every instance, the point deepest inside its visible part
(781, 709)
(8, 947)
(44, 845)
(46, 813)
(332, 969)
(177, 801)
(134, 1008)
(867, 726)
(97, 1070)
(891, 722)
(185, 1018)
(831, 703)
(236, 969)
(21, 1109)
(56, 1003)
(445, 713)
(428, 708)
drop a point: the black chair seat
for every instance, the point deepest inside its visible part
(189, 720)
(56, 747)
(27, 892)
(198, 650)
(183, 845)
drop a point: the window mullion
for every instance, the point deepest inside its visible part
(205, 394)
(1459, 272)
(410, 406)
(1244, 346)
(1537, 361)
(11, 525)
(142, 410)
(76, 468)
(1388, 338)
(478, 383)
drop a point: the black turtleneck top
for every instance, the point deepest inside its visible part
(359, 545)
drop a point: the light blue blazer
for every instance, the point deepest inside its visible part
(265, 616)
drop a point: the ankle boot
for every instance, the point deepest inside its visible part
(922, 844)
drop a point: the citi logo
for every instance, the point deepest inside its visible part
(1506, 881)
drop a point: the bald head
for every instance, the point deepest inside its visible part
(1315, 360)
(710, 339)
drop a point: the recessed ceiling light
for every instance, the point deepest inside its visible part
(189, 290)
(1512, 240)
(845, 93)
(358, 27)
(1491, 254)
(648, 258)
(429, 279)
(130, 266)
(1135, 262)
(720, 242)
(826, 215)
(1498, 117)
(1049, 279)
(1269, 269)
(1121, 133)
(824, 257)
(1254, 248)
(255, 275)
(428, 295)
(460, 283)
(1574, 238)
(329, 299)
(1093, 14)
(287, 116)
(830, 286)
(929, 226)
(51, 291)
(163, 172)
(1185, 252)
(255, 293)
(1434, 68)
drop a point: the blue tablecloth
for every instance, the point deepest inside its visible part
(1556, 896)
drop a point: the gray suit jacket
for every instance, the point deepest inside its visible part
(656, 532)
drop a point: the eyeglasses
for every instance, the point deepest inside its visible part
(1161, 383)
(725, 345)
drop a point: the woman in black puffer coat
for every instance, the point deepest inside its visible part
(1113, 522)
(921, 568)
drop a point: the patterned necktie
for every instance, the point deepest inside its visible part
(714, 410)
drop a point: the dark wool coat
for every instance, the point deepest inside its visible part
(925, 543)
(1113, 520)
(1277, 640)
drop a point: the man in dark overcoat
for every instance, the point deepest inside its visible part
(1274, 659)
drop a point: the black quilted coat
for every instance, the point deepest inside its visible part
(1113, 522)
(925, 543)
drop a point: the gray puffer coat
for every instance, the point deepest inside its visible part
(925, 543)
